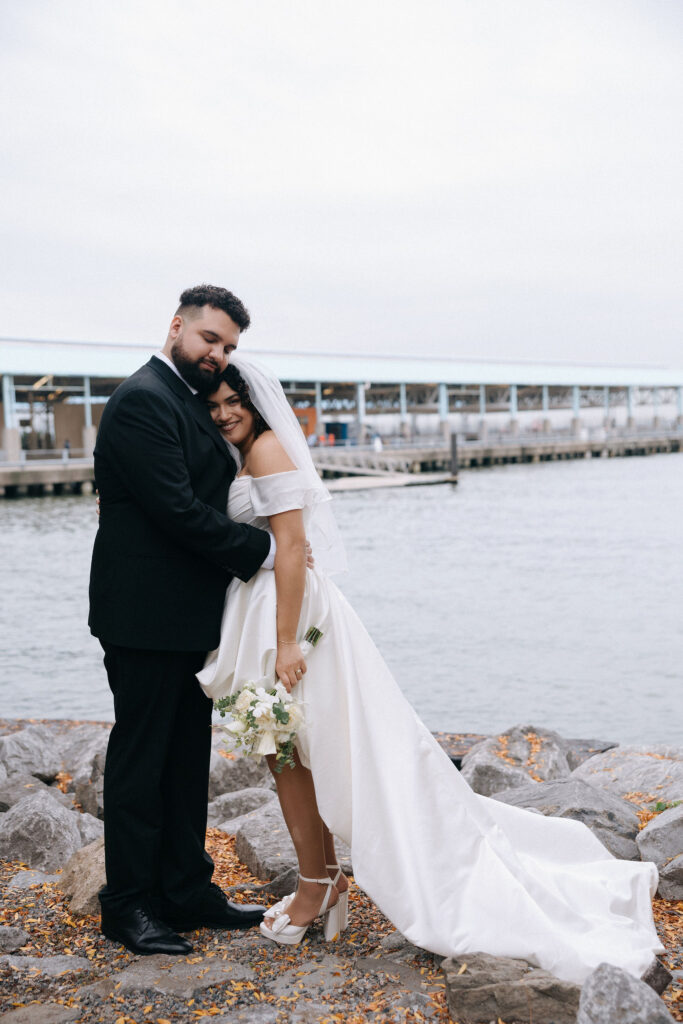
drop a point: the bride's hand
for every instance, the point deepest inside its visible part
(290, 666)
(310, 560)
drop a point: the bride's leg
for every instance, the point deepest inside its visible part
(331, 858)
(296, 793)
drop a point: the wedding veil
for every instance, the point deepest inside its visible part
(268, 397)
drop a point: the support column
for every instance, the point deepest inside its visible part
(630, 419)
(657, 419)
(483, 426)
(545, 402)
(403, 410)
(360, 413)
(606, 417)
(443, 410)
(11, 438)
(89, 431)
(679, 406)
(514, 421)
(576, 409)
(319, 426)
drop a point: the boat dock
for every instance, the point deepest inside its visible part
(357, 467)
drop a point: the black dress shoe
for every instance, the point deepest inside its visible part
(141, 932)
(215, 911)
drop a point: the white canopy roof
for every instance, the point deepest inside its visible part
(118, 360)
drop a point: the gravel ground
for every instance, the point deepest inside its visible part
(370, 974)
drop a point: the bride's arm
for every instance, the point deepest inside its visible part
(266, 457)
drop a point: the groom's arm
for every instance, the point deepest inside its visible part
(143, 447)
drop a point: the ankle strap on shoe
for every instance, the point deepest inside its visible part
(321, 881)
(335, 867)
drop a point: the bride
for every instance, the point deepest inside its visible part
(455, 872)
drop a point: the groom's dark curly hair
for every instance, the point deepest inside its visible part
(234, 379)
(193, 299)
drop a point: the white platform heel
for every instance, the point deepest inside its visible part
(343, 903)
(283, 931)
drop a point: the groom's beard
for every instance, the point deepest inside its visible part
(198, 377)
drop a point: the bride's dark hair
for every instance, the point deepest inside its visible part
(236, 381)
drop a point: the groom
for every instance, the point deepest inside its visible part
(164, 554)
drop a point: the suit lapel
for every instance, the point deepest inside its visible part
(197, 410)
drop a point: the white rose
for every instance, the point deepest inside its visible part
(237, 727)
(243, 701)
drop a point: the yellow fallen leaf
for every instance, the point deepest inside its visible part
(462, 969)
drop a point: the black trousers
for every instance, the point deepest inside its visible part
(156, 779)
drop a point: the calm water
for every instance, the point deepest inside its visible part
(549, 594)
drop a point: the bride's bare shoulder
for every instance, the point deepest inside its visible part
(268, 456)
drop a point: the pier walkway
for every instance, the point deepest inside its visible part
(355, 467)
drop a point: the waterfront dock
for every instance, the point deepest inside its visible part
(363, 467)
(441, 460)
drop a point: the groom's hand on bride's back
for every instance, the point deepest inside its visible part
(270, 558)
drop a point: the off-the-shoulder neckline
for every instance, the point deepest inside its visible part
(248, 476)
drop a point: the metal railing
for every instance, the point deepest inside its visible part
(46, 456)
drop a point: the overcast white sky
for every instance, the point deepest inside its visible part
(477, 178)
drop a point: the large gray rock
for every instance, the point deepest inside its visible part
(232, 825)
(177, 977)
(25, 879)
(12, 938)
(655, 772)
(614, 821)
(84, 760)
(83, 877)
(80, 745)
(48, 966)
(231, 773)
(579, 751)
(492, 988)
(43, 1013)
(264, 845)
(234, 805)
(319, 976)
(671, 879)
(31, 751)
(611, 996)
(39, 832)
(90, 828)
(17, 787)
(662, 838)
(3, 773)
(657, 976)
(521, 755)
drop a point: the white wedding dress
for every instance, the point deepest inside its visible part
(455, 872)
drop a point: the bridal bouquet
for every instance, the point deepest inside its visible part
(266, 721)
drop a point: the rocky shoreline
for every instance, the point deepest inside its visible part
(55, 966)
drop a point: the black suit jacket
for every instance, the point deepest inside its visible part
(165, 549)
